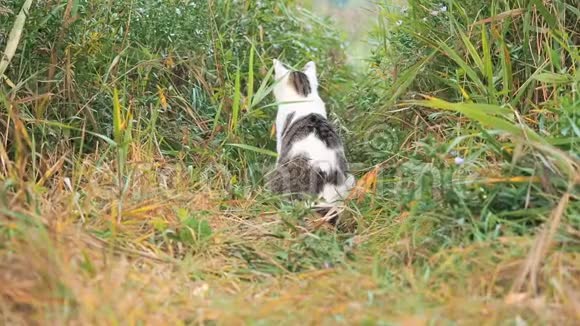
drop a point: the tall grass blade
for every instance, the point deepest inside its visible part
(406, 79)
(236, 102)
(250, 84)
(117, 118)
(264, 89)
(506, 65)
(14, 37)
(488, 66)
(474, 54)
(454, 55)
(550, 19)
(255, 149)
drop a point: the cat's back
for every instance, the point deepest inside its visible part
(313, 127)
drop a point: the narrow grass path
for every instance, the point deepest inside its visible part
(256, 266)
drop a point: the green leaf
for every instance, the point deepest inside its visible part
(463, 107)
(554, 78)
(182, 214)
(193, 229)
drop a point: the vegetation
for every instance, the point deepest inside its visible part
(135, 136)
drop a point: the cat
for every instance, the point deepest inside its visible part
(311, 159)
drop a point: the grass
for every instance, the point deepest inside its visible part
(133, 152)
(253, 267)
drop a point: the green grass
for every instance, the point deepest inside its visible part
(135, 136)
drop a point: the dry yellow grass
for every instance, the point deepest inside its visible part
(85, 267)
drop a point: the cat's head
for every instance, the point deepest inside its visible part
(295, 85)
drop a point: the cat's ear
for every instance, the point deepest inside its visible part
(310, 69)
(279, 69)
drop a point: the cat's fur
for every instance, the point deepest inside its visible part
(311, 156)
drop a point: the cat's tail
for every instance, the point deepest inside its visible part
(330, 204)
(294, 177)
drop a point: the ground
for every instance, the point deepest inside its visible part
(255, 267)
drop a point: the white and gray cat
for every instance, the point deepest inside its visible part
(311, 156)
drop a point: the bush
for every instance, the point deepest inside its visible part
(184, 69)
(499, 81)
